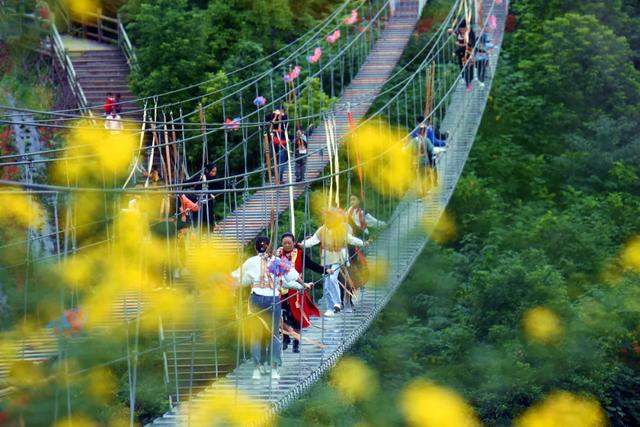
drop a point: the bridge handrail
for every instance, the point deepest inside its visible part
(60, 53)
(125, 45)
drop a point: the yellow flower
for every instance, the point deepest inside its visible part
(353, 380)
(228, 409)
(212, 257)
(77, 271)
(441, 231)
(170, 305)
(76, 421)
(88, 211)
(563, 409)
(631, 254)
(377, 271)
(101, 384)
(78, 9)
(424, 404)
(319, 202)
(20, 209)
(94, 154)
(541, 324)
(386, 162)
(25, 373)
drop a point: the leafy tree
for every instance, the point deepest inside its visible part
(171, 46)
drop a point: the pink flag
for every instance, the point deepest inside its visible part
(350, 20)
(317, 53)
(332, 38)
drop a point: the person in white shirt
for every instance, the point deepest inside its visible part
(265, 301)
(359, 220)
(113, 122)
(333, 237)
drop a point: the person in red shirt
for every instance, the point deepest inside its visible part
(109, 104)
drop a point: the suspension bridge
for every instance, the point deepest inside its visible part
(356, 71)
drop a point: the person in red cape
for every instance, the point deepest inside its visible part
(297, 307)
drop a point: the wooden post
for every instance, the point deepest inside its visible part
(267, 155)
(176, 163)
(169, 176)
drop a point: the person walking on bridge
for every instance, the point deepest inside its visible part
(204, 180)
(278, 123)
(297, 308)
(266, 275)
(465, 44)
(333, 237)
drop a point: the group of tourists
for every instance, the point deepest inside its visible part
(279, 139)
(280, 302)
(472, 52)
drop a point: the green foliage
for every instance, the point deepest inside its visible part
(178, 42)
(25, 92)
(311, 100)
(593, 75)
(171, 45)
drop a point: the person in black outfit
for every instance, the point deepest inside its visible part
(202, 181)
(118, 103)
(465, 43)
(301, 145)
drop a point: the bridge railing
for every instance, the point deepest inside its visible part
(126, 46)
(105, 29)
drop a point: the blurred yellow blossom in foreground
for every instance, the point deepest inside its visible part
(79, 8)
(377, 270)
(319, 201)
(76, 421)
(20, 209)
(541, 324)
(563, 409)
(211, 258)
(228, 409)
(386, 162)
(24, 373)
(102, 384)
(94, 154)
(353, 380)
(442, 230)
(631, 254)
(425, 404)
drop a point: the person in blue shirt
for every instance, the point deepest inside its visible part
(437, 139)
(428, 143)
